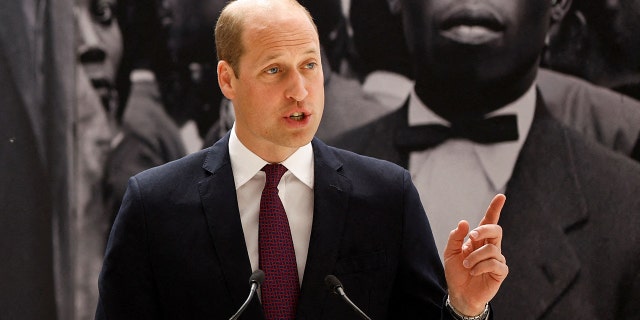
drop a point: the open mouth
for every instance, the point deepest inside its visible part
(472, 26)
(101, 83)
(297, 116)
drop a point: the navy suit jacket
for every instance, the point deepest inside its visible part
(570, 223)
(177, 251)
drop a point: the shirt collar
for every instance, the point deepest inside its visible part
(245, 164)
(498, 159)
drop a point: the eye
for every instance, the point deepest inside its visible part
(273, 70)
(311, 65)
(103, 11)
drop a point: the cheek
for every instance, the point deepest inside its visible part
(316, 84)
(111, 38)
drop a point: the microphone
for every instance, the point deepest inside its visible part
(255, 280)
(334, 285)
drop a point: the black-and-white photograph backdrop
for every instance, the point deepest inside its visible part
(536, 99)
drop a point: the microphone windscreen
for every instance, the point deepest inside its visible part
(332, 283)
(257, 276)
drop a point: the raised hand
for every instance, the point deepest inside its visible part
(476, 268)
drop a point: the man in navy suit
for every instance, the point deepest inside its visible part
(186, 238)
(573, 213)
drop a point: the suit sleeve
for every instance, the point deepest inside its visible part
(420, 289)
(126, 286)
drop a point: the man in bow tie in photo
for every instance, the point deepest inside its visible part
(475, 125)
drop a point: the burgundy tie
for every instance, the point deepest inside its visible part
(280, 288)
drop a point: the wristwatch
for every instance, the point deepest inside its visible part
(456, 314)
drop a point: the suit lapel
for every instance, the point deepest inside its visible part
(331, 191)
(218, 195)
(544, 204)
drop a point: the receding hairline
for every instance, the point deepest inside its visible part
(251, 5)
(232, 25)
(251, 8)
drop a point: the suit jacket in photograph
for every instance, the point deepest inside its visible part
(571, 222)
(177, 250)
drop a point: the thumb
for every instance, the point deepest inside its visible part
(456, 238)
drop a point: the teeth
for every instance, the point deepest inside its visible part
(297, 116)
(471, 34)
(472, 30)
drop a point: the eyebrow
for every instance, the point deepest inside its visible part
(277, 55)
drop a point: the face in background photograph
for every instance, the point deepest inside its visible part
(477, 40)
(99, 47)
(617, 25)
(186, 67)
(489, 49)
(99, 51)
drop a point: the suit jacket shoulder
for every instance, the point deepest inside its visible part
(598, 113)
(376, 138)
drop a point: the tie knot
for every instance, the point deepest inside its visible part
(274, 174)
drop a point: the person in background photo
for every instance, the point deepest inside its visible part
(598, 113)
(475, 124)
(174, 99)
(599, 41)
(99, 53)
(37, 61)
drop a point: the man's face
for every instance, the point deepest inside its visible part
(99, 44)
(191, 89)
(278, 94)
(479, 41)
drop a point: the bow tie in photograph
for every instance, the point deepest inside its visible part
(491, 130)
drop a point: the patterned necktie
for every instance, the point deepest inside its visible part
(280, 288)
(491, 130)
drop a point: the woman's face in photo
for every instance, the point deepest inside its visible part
(99, 47)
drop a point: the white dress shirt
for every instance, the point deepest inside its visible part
(295, 190)
(457, 179)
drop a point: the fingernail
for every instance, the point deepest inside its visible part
(466, 263)
(473, 234)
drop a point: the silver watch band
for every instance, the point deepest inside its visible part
(482, 316)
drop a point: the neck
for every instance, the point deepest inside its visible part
(462, 99)
(266, 150)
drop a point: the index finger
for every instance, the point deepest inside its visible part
(493, 212)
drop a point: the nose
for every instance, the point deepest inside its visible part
(297, 87)
(92, 55)
(90, 50)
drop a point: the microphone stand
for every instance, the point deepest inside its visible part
(255, 280)
(335, 286)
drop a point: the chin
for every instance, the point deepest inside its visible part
(301, 139)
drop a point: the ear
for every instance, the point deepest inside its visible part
(226, 76)
(559, 9)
